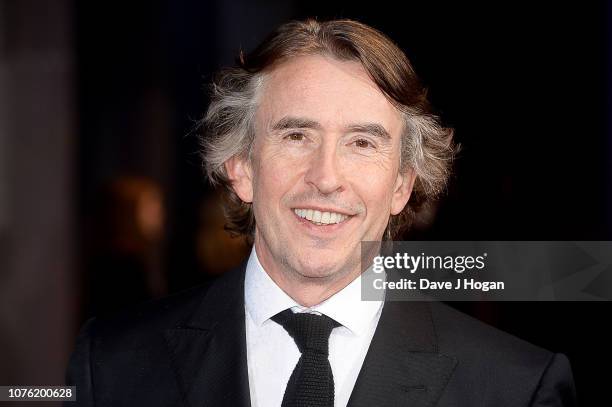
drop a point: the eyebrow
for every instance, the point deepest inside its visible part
(374, 129)
(291, 122)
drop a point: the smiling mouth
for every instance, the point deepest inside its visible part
(321, 218)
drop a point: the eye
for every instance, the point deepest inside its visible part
(363, 143)
(295, 137)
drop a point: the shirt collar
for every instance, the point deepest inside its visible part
(264, 299)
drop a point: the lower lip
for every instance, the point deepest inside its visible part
(331, 228)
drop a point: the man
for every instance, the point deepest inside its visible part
(323, 138)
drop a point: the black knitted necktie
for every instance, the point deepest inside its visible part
(312, 383)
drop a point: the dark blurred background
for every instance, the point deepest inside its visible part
(102, 199)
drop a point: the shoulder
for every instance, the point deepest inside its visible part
(128, 352)
(112, 351)
(499, 364)
(128, 327)
(135, 336)
(458, 332)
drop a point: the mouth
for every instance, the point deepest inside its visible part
(321, 218)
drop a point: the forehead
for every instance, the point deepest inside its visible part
(332, 92)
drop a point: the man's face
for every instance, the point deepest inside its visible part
(324, 171)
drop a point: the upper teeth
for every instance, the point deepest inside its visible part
(324, 218)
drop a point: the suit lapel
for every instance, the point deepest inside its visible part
(403, 366)
(209, 350)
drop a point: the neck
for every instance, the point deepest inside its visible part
(305, 290)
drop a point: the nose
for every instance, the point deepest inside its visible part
(323, 172)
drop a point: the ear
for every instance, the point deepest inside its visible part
(240, 175)
(401, 193)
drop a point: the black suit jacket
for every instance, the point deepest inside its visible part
(190, 350)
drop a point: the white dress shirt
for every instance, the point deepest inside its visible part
(272, 353)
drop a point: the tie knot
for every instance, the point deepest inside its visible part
(309, 331)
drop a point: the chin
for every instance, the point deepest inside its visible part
(309, 267)
(317, 271)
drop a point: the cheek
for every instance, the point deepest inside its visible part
(375, 189)
(275, 176)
